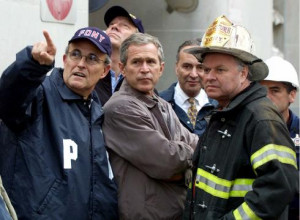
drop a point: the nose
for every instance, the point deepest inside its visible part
(194, 73)
(210, 75)
(82, 62)
(114, 26)
(144, 67)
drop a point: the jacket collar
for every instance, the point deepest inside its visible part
(64, 91)
(168, 95)
(149, 101)
(252, 92)
(68, 95)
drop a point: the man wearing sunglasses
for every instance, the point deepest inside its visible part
(57, 166)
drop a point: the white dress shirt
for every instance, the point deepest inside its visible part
(181, 99)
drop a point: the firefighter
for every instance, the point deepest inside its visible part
(245, 163)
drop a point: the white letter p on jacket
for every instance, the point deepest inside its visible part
(70, 152)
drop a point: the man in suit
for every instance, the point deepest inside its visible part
(186, 96)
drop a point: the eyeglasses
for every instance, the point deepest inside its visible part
(90, 59)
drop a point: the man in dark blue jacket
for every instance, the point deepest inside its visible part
(57, 166)
(188, 88)
(282, 84)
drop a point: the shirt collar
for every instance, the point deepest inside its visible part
(181, 97)
(114, 81)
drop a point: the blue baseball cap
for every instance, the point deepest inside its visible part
(116, 11)
(98, 37)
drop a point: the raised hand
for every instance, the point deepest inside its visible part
(44, 52)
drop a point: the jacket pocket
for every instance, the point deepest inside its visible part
(52, 193)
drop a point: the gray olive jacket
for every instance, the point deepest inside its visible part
(149, 151)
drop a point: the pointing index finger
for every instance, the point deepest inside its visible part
(48, 39)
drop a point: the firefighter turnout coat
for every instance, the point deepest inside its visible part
(245, 163)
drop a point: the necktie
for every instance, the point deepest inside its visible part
(192, 111)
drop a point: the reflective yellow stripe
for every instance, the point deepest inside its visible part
(212, 184)
(237, 215)
(249, 212)
(273, 152)
(220, 187)
(274, 157)
(244, 212)
(241, 187)
(235, 193)
(212, 191)
(214, 178)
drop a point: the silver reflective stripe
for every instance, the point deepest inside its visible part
(213, 184)
(222, 188)
(243, 213)
(238, 187)
(272, 152)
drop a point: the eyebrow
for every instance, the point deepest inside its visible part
(275, 87)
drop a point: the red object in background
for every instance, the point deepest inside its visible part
(59, 8)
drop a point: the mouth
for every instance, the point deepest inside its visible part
(145, 79)
(113, 35)
(211, 87)
(79, 74)
(193, 82)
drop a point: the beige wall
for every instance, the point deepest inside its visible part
(21, 25)
(286, 35)
(172, 29)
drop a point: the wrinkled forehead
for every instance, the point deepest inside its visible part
(122, 19)
(136, 47)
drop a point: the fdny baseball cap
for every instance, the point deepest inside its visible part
(116, 11)
(98, 37)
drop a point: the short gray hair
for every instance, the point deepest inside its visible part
(241, 64)
(140, 39)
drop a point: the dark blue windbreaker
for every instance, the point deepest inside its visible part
(53, 159)
(293, 127)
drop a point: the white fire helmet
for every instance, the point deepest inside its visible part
(281, 70)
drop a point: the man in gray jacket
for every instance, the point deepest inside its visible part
(150, 150)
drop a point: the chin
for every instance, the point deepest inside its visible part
(146, 90)
(212, 95)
